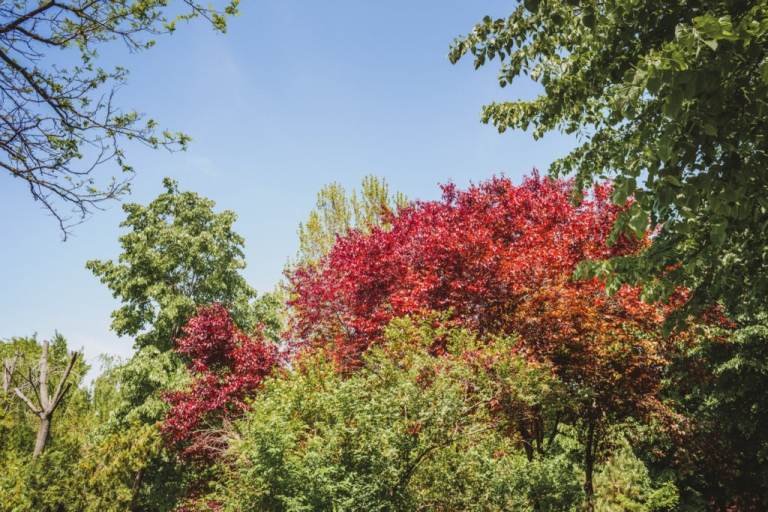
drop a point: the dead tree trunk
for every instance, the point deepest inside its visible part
(46, 403)
(9, 368)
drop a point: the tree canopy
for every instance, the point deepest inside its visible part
(177, 255)
(499, 348)
(669, 101)
(335, 213)
(499, 259)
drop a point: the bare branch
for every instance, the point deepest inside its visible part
(26, 17)
(27, 401)
(58, 125)
(61, 390)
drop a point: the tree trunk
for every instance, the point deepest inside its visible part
(46, 404)
(589, 466)
(42, 435)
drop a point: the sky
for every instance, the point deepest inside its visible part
(296, 95)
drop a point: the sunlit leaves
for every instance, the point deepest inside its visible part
(668, 98)
(178, 254)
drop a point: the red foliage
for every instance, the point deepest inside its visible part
(227, 366)
(500, 259)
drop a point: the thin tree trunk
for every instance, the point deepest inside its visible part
(46, 403)
(43, 432)
(526, 437)
(135, 490)
(589, 465)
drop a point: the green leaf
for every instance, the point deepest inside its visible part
(531, 5)
(764, 71)
(638, 220)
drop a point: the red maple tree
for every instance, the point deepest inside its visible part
(482, 254)
(226, 366)
(498, 258)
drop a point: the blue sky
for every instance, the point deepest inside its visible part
(294, 96)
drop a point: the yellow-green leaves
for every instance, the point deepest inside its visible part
(336, 213)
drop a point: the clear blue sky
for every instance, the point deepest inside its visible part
(294, 96)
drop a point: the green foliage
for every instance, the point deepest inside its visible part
(61, 122)
(624, 485)
(129, 469)
(105, 452)
(408, 431)
(48, 483)
(270, 312)
(336, 212)
(669, 99)
(177, 255)
(720, 384)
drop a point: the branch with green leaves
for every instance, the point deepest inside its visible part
(668, 100)
(59, 124)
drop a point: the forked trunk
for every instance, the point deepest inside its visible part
(42, 435)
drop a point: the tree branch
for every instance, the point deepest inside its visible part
(27, 401)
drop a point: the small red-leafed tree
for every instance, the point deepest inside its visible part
(499, 258)
(227, 366)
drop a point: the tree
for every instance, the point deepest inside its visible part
(179, 254)
(718, 385)
(499, 259)
(57, 123)
(48, 480)
(624, 484)
(46, 403)
(669, 101)
(407, 431)
(86, 465)
(227, 366)
(480, 253)
(336, 213)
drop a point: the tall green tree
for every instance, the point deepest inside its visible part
(177, 255)
(336, 212)
(669, 101)
(59, 123)
(719, 385)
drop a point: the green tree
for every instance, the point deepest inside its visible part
(624, 484)
(178, 254)
(669, 101)
(59, 122)
(407, 431)
(720, 385)
(130, 469)
(336, 212)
